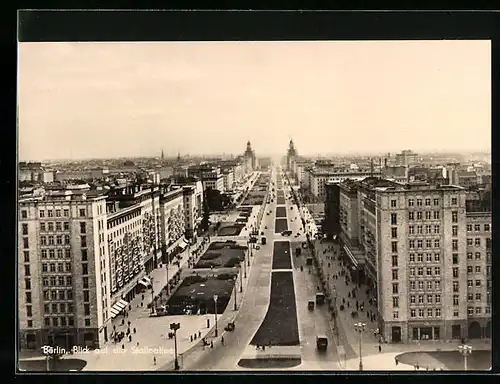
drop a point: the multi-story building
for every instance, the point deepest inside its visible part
(211, 176)
(228, 179)
(173, 226)
(331, 225)
(63, 279)
(406, 158)
(193, 208)
(411, 245)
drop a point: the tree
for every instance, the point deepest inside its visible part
(205, 221)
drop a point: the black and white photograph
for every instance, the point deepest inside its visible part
(245, 206)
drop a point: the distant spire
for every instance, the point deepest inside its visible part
(178, 156)
(162, 157)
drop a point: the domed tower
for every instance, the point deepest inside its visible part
(291, 156)
(249, 156)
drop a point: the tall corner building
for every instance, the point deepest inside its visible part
(64, 277)
(424, 253)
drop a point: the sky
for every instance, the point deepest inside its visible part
(104, 100)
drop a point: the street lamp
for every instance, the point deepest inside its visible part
(235, 293)
(244, 267)
(241, 281)
(465, 350)
(175, 327)
(215, 304)
(360, 327)
(152, 298)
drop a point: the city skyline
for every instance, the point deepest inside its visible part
(133, 99)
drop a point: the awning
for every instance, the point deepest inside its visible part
(118, 307)
(145, 281)
(351, 256)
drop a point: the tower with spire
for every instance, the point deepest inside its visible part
(162, 155)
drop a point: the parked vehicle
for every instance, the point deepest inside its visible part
(310, 305)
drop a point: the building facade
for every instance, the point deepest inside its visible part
(173, 225)
(412, 246)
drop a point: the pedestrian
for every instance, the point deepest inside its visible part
(348, 304)
(396, 360)
(222, 340)
(211, 344)
(154, 360)
(195, 336)
(135, 331)
(191, 338)
(199, 333)
(123, 346)
(143, 296)
(137, 343)
(379, 348)
(130, 338)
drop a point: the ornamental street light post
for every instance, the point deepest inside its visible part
(215, 304)
(360, 328)
(175, 327)
(465, 350)
(241, 281)
(244, 266)
(235, 293)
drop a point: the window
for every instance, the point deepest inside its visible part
(469, 241)
(393, 203)
(411, 229)
(478, 310)
(29, 312)
(55, 321)
(412, 257)
(25, 229)
(66, 239)
(394, 218)
(454, 245)
(429, 312)
(50, 213)
(477, 242)
(438, 312)
(59, 239)
(488, 243)
(487, 310)
(86, 309)
(419, 202)
(87, 322)
(66, 212)
(437, 257)
(27, 270)
(469, 269)
(486, 227)
(454, 201)
(83, 241)
(24, 214)
(412, 271)
(412, 285)
(411, 202)
(429, 299)
(470, 297)
(438, 299)
(455, 272)
(394, 261)
(478, 297)
(429, 285)
(394, 274)
(420, 243)
(66, 226)
(394, 246)
(456, 299)
(412, 299)
(428, 271)
(61, 281)
(428, 243)
(436, 201)
(436, 215)
(47, 321)
(61, 293)
(428, 215)
(419, 229)
(427, 201)
(469, 255)
(477, 227)
(394, 233)
(395, 315)
(411, 215)
(436, 243)
(68, 280)
(82, 212)
(420, 312)
(478, 283)
(86, 296)
(63, 322)
(43, 240)
(83, 227)
(58, 213)
(28, 297)
(437, 271)
(420, 271)
(477, 269)
(67, 253)
(85, 269)
(25, 242)
(420, 299)
(454, 217)
(69, 294)
(469, 227)
(420, 257)
(428, 229)
(27, 283)
(395, 289)
(437, 284)
(85, 282)
(42, 213)
(419, 215)
(413, 313)
(58, 226)
(455, 286)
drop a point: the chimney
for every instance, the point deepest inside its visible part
(385, 162)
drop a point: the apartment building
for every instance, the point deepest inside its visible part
(193, 208)
(173, 226)
(228, 179)
(63, 276)
(413, 247)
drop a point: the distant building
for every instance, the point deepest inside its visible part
(250, 159)
(406, 158)
(211, 176)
